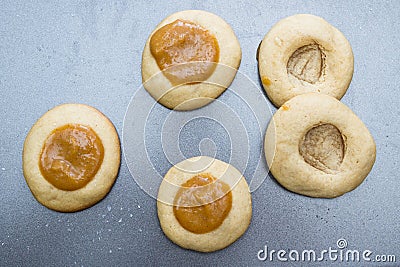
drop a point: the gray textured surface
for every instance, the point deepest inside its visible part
(90, 52)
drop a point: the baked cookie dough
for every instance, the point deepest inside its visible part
(204, 204)
(301, 54)
(190, 59)
(71, 157)
(316, 146)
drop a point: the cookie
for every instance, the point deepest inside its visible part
(190, 59)
(204, 204)
(71, 157)
(316, 146)
(301, 54)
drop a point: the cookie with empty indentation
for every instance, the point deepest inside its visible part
(301, 54)
(190, 59)
(204, 204)
(71, 157)
(316, 146)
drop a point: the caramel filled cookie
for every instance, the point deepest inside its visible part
(71, 157)
(204, 204)
(190, 59)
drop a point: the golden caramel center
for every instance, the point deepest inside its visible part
(202, 204)
(71, 156)
(185, 52)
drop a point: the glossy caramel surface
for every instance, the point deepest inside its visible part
(71, 156)
(202, 204)
(185, 52)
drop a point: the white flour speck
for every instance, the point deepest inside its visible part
(140, 230)
(47, 225)
(138, 206)
(120, 220)
(69, 230)
(131, 215)
(109, 208)
(3, 169)
(110, 251)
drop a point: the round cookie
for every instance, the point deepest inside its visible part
(316, 146)
(236, 221)
(301, 54)
(46, 192)
(188, 96)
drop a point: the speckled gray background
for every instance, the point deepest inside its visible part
(90, 52)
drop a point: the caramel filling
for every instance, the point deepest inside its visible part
(202, 204)
(185, 52)
(71, 156)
